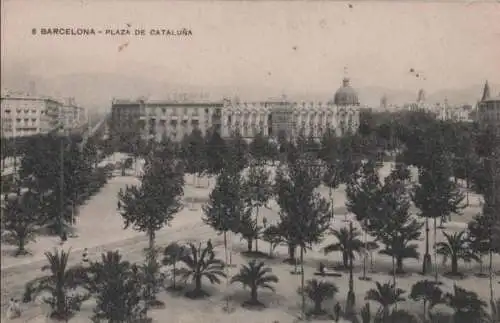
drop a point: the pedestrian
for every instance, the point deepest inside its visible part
(210, 248)
(337, 310)
(13, 310)
(85, 255)
(321, 268)
(17, 308)
(64, 237)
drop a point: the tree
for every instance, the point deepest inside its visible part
(428, 292)
(436, 196)
(304, 216)
(20, 218)
(57, 171)
(347, 244)
(260, 149)
(171, 255)
(226, 205)
(456, 247)
(329, 154)
(362, 193)
(467, 306)
(258, 190)
(479, 235)
(273, 235)
(249, 228)
(386, 295)
(255, 275)
(393, 225)
(152, 205)
(117, 286)
(318, 292)
(61, 284)
(201, 263)
(193, 152)
(216, 152)
(237, 152)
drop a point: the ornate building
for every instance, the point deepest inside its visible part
(155, 119)
(291, 118)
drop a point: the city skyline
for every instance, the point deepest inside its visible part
(298, 49)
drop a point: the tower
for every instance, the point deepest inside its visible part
(383, 102)
(486, 92)
(421, 96)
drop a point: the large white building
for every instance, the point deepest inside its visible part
(291, 117)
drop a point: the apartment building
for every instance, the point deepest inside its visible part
(24, 115)
(156, 119)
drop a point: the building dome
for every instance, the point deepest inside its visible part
(346, 95)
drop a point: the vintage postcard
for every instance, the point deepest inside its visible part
(238, 161)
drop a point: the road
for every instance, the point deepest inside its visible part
(14, 278)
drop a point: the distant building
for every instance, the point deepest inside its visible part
(24, 115)
(273, 117)
(488, 109)
(445, 111)
(155, 119)
(73, 115)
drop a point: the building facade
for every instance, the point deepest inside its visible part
(155, 119)
(292, 118)
(24, 115)
(73, 115)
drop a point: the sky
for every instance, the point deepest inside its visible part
(269, 47)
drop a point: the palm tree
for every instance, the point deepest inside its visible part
(201, 262)
(386, 296)
(467, 306)
(456, 247)
(318, 292)
(399, 316)
(61, 284)
(428, 292)
(171, 255)
(255, 275)
(347, 244)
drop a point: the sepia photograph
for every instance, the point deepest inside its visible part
(250, 162)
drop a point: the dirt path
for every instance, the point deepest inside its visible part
(14, 278)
